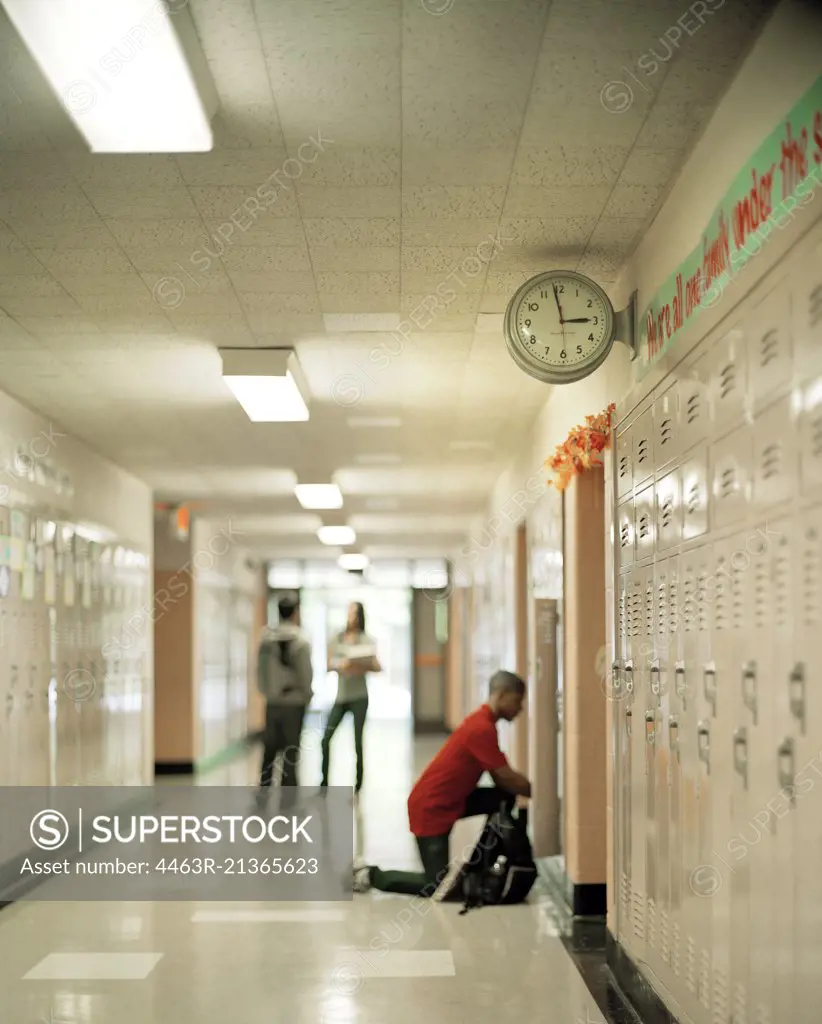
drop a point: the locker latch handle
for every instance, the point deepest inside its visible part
(629, 678)
(656, 679)
(629, 715)
(741, 754)
(680, 683)
(650, 726)
(797, 694)
(786, 771)
(749, 688)
(673, 735)
(703, 733)
(709, 687)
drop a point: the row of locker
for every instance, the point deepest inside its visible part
(718, 789)
(75, 665)
(760, 466)
(772, 349)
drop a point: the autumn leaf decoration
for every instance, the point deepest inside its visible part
(582, 450)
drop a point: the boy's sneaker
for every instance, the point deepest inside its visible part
(361, 877)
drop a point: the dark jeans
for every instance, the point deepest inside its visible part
(359, 709)
(434, 852)
(283, 726)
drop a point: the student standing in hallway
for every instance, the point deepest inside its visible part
(447, 791)
(351, 655)
(285, 677)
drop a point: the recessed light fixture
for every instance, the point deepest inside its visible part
(336, 536)
(164, 101)
(352, 562)
(374, 422)
(378, 460)
(319, 496)
(267, 383)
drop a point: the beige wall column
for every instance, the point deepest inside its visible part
(453, 658)
(585, 810)
(521, 726)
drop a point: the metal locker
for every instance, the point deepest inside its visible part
(666, 427)
(643, 446)
(806, 306)
(728, 379)
(695, 494)
(775, 455)
(625, 462)
(730, 468)
(694, 401)
(639, 645)
(626, 540)
(810, 437)
(798, 755)
(622, 686)
(768, 337)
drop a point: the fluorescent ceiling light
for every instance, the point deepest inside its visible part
(352, 562)
(266, 383)
(129, 73)
(336, 536)
(365, 422)
(319, 496)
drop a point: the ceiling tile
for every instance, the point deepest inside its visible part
(332, 201)
(365, 232)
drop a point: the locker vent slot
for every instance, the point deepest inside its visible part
(639, 916)
(667, 512)
(624, 465)
(666, 430)
(651, 924)
(689, 605)
(661, 604)
(693, 499)
(720, 1000)
(815, 306)
(761, 591)
(738, 597)
(676, 963)
(740, 1005)
(672, 607)
(622, 617)
(649, 606)
(728, 482)
(690, 965)
(727, 380)
(768, 348)
(636, 613)
(664, 941)
(693, 408)
(772, 460)
(816, 435)
(642, 451)
(625, 535)
(644, 526)
(811, 579)
(705, 979)
(702, 604)
(722, 597)
(782, 601)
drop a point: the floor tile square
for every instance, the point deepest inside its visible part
(94, 967)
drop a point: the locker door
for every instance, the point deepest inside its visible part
(650, 686)
(695, 491)
(643, 447)
(810, 438)
(806, 307)
(781, 547)
(730, 460)
(668, 498)
(775, 455)
(626, 542)
(623, 715)
(767, 333)
(644, 515)
(624, 462)
(694, 402)
(728, 378)
(666, 427)
(639, 652)
(806, 712)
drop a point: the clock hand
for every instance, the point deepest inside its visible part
(559, 308)
(578, 320)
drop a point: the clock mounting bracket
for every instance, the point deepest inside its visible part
(626, 327)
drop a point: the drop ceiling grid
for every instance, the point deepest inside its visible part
(446, 130)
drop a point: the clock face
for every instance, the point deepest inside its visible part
(559, 326)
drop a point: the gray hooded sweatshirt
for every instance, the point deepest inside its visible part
(288, 683)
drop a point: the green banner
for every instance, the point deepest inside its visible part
(779, 179)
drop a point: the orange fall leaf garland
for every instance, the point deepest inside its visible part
(582, 450)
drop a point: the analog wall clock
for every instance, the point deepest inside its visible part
(560, 326)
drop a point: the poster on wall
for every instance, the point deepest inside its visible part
(780, 178)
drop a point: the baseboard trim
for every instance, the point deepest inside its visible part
(581, 899)
(239, 748)
(173, 768)
(638, 991)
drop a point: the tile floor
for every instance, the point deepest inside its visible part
(369, 961)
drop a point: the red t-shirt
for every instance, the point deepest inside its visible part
(438, 799)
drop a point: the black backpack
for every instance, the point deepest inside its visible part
(501, 870)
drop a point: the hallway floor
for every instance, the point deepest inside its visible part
(369, 961)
